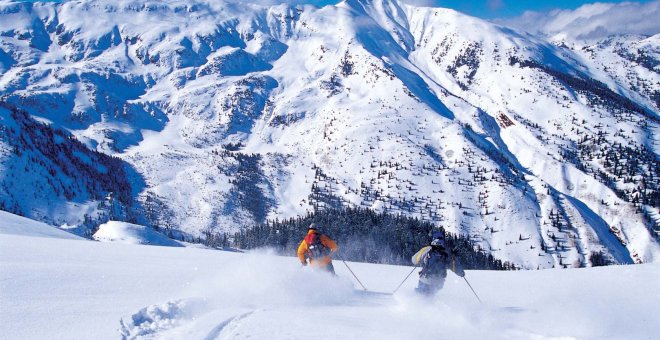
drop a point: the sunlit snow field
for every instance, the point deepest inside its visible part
(55, 287)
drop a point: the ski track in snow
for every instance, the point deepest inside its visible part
(175, 318)
(226, 327)
(151, 320)
(158, 320)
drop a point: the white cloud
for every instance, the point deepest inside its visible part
(495, 4)
(592, 21)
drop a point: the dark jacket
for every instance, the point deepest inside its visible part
(435, 261)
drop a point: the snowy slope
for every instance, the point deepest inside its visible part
(128, 233)
(616, 39)
(633, 60)
(232, 113)
(62, 289)
(17, 225)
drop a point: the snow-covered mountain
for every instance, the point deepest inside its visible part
(228, 113)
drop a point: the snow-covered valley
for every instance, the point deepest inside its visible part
(55, 287)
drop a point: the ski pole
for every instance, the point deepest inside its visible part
(349, 268)
(404, 280)
(469, 285)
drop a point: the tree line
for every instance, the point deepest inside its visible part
(363, 235)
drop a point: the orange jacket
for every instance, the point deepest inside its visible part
(303, 251)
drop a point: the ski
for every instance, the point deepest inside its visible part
(371, 293)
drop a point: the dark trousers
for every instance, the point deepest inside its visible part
(329, 268)
(430, 287)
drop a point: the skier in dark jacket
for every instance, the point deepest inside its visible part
(434, 260)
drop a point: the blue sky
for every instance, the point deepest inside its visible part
(496, 8)
(488, 9)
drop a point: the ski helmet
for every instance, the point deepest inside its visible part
(438, 239)
(312, 226)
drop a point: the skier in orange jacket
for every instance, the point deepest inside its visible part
(318, 248)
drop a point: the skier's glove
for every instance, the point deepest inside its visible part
(460, 273)
(303, 263)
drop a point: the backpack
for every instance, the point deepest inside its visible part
(316, 249)
(435, 263)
